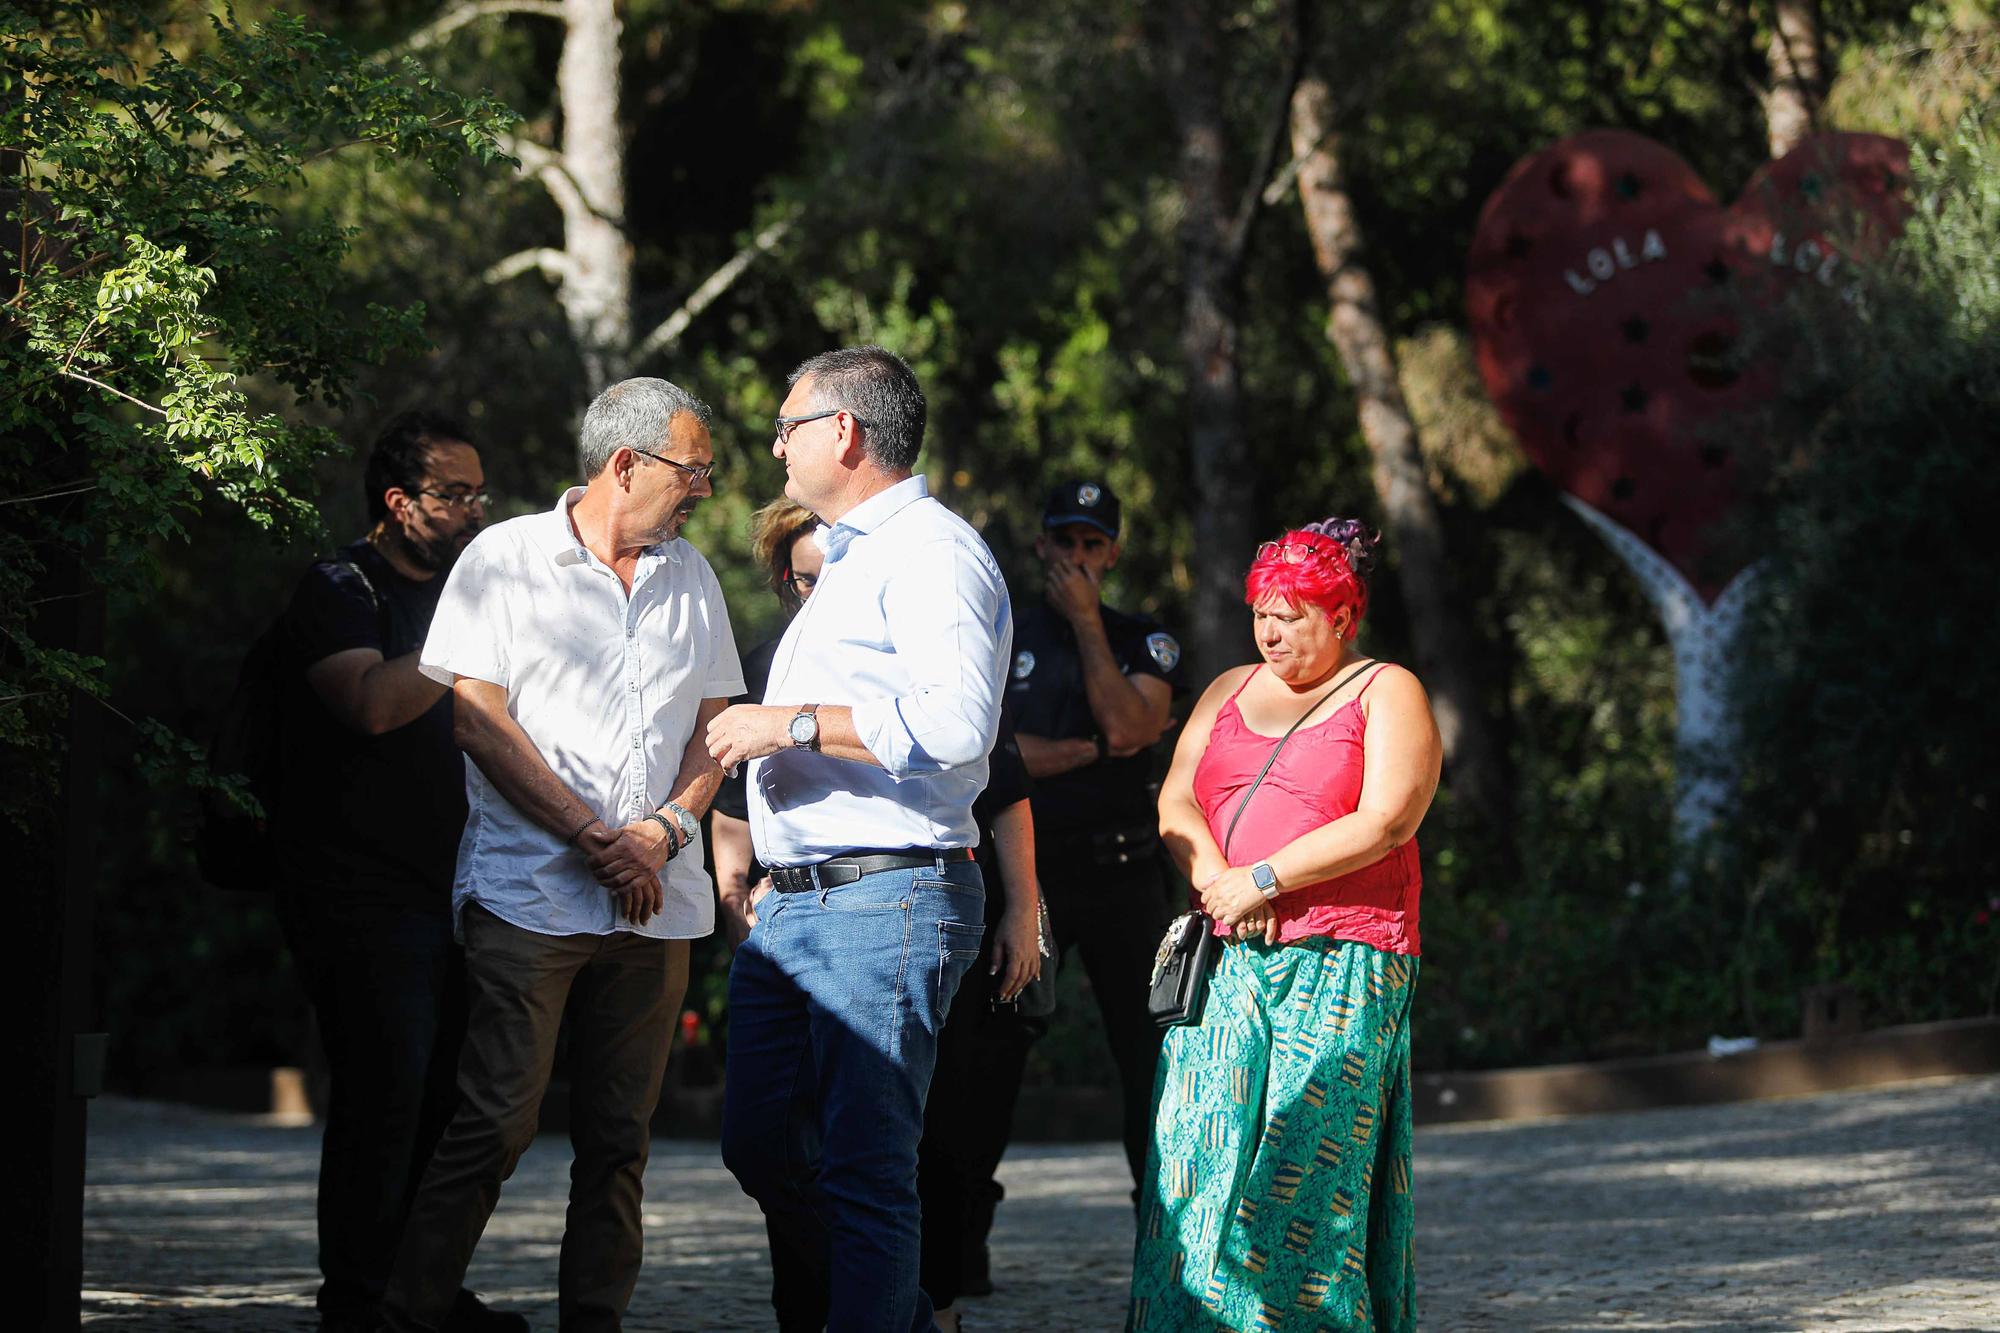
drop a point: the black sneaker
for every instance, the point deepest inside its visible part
(469, 1314)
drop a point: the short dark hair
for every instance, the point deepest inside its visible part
(878, 386)
(402, 452)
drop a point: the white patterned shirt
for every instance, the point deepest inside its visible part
(606, 685)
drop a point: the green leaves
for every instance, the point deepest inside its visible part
(150, 285)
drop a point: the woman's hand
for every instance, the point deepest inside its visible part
(1234, 900)
(1017, 951)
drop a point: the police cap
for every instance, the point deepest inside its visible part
(1083, 502)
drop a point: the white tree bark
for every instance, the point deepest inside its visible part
(596, 292)
(1797, 62)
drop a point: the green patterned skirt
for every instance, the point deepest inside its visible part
(1277, 1191)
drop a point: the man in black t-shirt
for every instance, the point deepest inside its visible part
(1089, 694)
(367, 818)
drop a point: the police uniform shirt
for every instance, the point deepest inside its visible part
(1046, 698)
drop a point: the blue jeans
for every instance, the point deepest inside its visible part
(835, 1005)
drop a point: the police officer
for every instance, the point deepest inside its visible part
(1089, 694)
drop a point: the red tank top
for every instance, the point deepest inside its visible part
(1315, 781)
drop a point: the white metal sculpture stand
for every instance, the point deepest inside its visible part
(1704, 640)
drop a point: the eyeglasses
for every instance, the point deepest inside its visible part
(802, 584)
(786, 425)
(461, 499)
(1292, 552)
(695, 471)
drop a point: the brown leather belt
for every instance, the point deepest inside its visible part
(838, 870)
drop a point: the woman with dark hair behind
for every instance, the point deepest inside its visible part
(1279, 1178)
(781, 539)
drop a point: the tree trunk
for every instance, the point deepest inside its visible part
(1476, 759)
(596, 290)
(1210, 319)
(1797, 63)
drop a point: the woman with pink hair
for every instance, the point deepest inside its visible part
(1278, 1184)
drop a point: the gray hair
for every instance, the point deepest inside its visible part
(876, 385)
(633, 414)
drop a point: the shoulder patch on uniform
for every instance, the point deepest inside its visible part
(1164, 649)
(1024, 664)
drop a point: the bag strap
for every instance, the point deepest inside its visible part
(1244, 804)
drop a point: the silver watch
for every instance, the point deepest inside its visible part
(804, 728)
(1265, 878)
(684, 817)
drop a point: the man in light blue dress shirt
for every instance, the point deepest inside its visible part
(865, 758)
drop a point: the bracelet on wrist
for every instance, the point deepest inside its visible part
(674, 842)
(571, 839)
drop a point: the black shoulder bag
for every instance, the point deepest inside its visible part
(1187, 951)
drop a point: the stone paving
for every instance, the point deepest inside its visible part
(1855, 1211)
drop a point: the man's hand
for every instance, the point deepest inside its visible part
(1017, 951)
(749, 731)
(1235, 901)
(739, 911)
(1071, 591)
(627, 862)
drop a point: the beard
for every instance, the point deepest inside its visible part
(676, 521)
(438, 552)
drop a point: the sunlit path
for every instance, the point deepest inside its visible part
(1853, 1211)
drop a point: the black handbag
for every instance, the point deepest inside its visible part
(1186, 955)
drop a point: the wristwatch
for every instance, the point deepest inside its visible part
(684, 817)
(1265, 878)
(804, 728)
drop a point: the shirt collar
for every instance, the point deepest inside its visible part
(559, 539)
(871, 514)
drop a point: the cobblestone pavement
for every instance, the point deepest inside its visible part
(1854, 1211)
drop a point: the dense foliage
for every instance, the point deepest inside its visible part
(1868, 823)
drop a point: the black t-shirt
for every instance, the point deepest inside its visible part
(370, 817)
(1045, 697)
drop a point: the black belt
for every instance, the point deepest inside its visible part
(840, 870)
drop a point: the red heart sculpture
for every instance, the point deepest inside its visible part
(1603, 291)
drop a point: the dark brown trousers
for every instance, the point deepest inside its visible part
(621, 994)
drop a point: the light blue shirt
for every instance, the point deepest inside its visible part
(608, 685)
(910, 627)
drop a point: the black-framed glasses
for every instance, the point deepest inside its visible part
(695, 471)
(802, 584)
(461, 499)
(784, 426)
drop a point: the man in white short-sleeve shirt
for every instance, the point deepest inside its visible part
(587, 649)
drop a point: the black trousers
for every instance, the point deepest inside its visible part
(1111, 916)
(968, 1119)
(387, 985)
